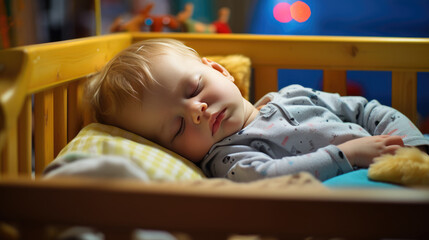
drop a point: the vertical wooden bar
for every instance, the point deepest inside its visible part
(60, 119)
(87, 116)
(9, 163)
(24, 138)
(3, 159)
(97, 8)
(404, 93)
(43, 129)
(335, 81)
(74, 114)
(265, 80)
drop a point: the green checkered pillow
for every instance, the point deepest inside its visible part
(157, 162)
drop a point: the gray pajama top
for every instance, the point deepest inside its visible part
(299, 130)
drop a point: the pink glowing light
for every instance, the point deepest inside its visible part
(282, 12)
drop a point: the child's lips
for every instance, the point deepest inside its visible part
(218, 117)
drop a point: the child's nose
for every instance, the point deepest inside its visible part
(197, 111)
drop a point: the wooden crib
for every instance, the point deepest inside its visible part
(41, 88)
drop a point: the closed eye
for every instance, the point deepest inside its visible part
(197, 88)
(180, 130)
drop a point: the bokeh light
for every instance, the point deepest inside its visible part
(148, 21)
(300, 11)
(282, 12)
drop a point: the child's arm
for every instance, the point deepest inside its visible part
(243, 163)
(361, 151)
(374, 117)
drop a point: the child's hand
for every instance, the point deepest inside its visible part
(361, 152)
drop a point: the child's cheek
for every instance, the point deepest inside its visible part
(195, 145)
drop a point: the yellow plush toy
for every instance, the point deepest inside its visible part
(239, 67)
(409, 166)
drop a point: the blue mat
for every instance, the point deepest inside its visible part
(358, 178)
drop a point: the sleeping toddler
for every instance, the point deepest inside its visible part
(163, 91)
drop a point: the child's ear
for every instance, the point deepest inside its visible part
(217, 67)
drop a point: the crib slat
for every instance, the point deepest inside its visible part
(335, 81)
(404, 93)
(9, 163)
(60, 118)
(24, 139)
(268, 84)
(43, 129)
(3, 157)
(87, 116)
(74, 117)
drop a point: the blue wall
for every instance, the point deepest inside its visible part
(402, 18)
(393, 18)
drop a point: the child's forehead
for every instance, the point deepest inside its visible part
(163, 63)
(179, 54)
(166, 68)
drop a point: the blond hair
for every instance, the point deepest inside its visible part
(128, 75)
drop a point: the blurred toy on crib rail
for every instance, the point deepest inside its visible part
(156, 23)
(182, 22)
(190, 25)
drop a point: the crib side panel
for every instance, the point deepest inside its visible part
(60, 115)
(40, 76)
(61, 68)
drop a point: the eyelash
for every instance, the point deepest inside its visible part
(181, 128)
(197, 89)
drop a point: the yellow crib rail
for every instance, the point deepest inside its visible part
(50, 76)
